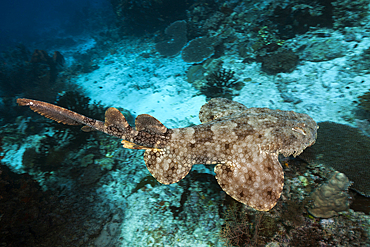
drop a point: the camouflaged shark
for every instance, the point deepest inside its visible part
(242, 142)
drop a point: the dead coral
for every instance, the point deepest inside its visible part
(348, 13)
(236, 231)
(307, 236)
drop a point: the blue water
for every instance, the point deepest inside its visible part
(32, 21)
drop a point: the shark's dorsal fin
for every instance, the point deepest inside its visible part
(113, 117)
(145, 122)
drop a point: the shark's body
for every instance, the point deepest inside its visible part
(244, 143)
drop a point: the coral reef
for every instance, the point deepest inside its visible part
(267, 41)
(31, 216)
(54, 152)
(212, 80)
(24, 73)
(175, 40)
(204, 16)
(236, 230)
(364, 104)
(198, 50)
(228, 42)
(331, 198)
(279, 61)
(138, 17)
(298, 16)
(289, 224)
(347, 13)
(346, 151)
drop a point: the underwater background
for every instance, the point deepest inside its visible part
(60, 186)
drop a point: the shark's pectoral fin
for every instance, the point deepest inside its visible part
(87, 129)
(165, 167)
(131, 145)
(258, 184)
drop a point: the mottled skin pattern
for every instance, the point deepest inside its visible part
(244, 143)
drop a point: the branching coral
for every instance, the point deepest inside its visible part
(236, 231)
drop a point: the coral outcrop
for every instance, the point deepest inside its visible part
(345, 149)
(176, 39)
(332, 197)
(198, 50)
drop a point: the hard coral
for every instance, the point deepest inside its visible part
(143, 16)
(198, 50)
(176, 33)
(331, 197)
(279, 61)
(345, 149)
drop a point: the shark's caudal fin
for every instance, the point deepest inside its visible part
(115, 123)
(56, 113)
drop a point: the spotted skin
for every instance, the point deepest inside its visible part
(242, 142)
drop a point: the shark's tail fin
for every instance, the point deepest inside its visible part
(149, 132)
(115, 123)
(54, 112)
